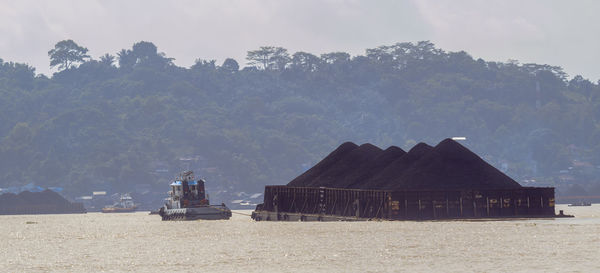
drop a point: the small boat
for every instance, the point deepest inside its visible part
(188, 201)
(580, 204)
(125, 204)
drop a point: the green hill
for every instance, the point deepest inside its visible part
(137, 119)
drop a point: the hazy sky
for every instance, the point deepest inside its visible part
(563, 33)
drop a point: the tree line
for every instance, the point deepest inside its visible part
(111, 123)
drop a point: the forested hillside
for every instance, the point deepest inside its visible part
(135, 118)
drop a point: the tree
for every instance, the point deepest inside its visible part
(145, 54)
(280, 58)
(66, 53)
(126, 59)
(107, 59)
(269, 57)
(144, 49)
(305, 61)
(335, 57)
(382, 54)
(201, 64)
(21, 75)
(336, 62)
(230, 65)
(261, 56)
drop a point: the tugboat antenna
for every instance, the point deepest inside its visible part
(186, 176)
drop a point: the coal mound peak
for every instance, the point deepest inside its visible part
(448, 165)
(420, 149)
(342, 173)
(361, 176)
(37, 203)
(46, 197)
(388, 178)
(305, 179)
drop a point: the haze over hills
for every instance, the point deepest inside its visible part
(135, 119)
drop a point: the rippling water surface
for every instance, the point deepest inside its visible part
(140, 242)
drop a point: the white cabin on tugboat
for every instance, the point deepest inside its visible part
(181, 197)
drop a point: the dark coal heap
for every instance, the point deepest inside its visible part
(45, 202)
(363, 175)
(306, 179)
(448, 165)
(341, 166)
(387, 178)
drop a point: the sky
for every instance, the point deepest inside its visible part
(561, 33)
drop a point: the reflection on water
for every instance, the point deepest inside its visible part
(141, 242)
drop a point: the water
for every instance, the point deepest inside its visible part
(96, 242)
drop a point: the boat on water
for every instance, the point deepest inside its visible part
(125, 204)
(580, 204)
(188, 201)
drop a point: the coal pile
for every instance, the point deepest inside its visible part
(344, 171)
(448, 165)
(37, 202)
(306, 179)
(388, 176)
(343, 167)
(362, 177)
(451, 165)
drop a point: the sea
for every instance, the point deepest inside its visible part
(139, 242)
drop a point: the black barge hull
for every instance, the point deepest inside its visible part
(283, 203)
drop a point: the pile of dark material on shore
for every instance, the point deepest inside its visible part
(448, 165)
(45, 202)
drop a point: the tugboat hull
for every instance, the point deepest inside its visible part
(196, 213)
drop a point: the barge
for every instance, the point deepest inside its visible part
(283, 203)
(361, 183)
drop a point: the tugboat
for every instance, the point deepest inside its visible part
(125, 204)
(188, 201)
